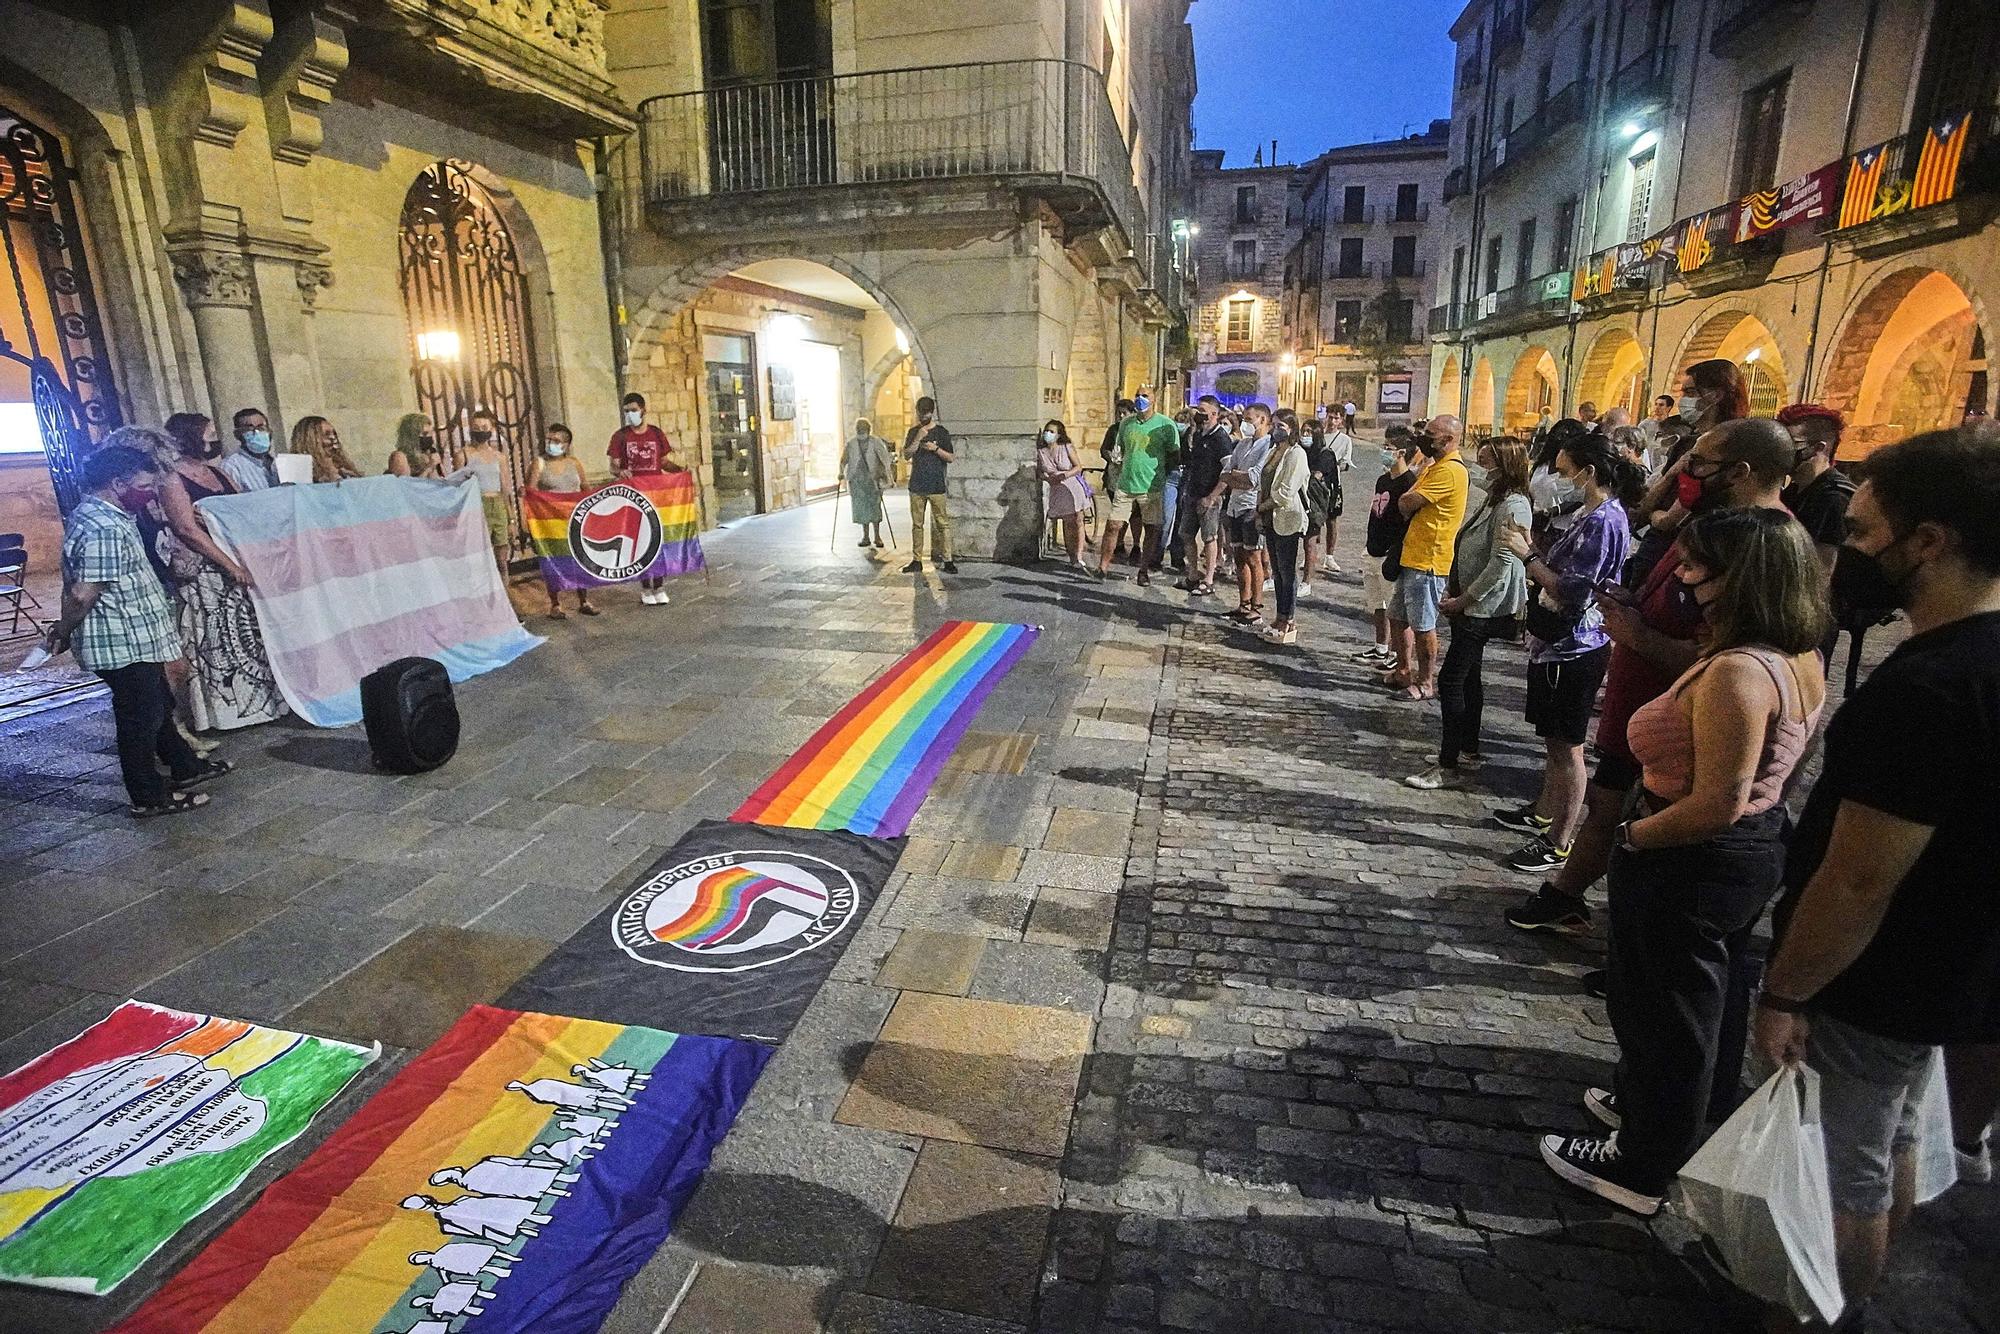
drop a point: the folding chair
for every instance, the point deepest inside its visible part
(13, 581)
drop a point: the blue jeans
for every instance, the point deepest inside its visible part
(1170, 508)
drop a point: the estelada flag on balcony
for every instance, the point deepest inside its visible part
(644, 527)
(1799, 201)
(1695, 246)
(114, 1141)
(510, 1178)
(1936, 178)
(869, 768)
(1860, 195)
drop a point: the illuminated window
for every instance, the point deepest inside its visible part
(1239, 320)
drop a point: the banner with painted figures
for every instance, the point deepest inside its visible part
(732, 932)
(509, 1179)
(116, 1140)
(1801, 201)
(643, 528)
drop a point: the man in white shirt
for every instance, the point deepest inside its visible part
(1241, 477)
(250, 466)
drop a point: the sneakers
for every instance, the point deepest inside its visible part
(948, 567)
(1547, 909)
(1522, 819)
(1306, 589)
(1975, 1166)
(1288, 635)
(1433, 778)
(1374, 654)
(1595, 1165)
(1603, 1104)
(914, 567)
(1538, 856)
(653, 597)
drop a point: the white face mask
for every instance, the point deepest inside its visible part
(1689, 408)
(633, 416)
(1048, 437)
(1247, 431)
(555, 449)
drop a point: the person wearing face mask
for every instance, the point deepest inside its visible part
(1435, 507)
(1700, 852)
(558, 470)
(416, 453)
(486, 462)
(1208, 446)
(639, 448)
(1819, 494)
(1888, 932)
(1069, 494)
(250, 465)
(118, 621)
(1555, 498)
(1386, 527)
(1148, 444)
(1713, 393)
(317, 437)
(927, 447)
(1654, 629)
(1243, 474)
(866, 465)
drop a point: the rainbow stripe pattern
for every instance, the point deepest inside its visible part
(870, 767)
(547, 514)
(518, 1171)
(722, 903)
(114, 1141)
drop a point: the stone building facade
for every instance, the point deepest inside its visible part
(352, 210)
(1247, 218)
(993, 188)
(1637, 188)
(1367, 222)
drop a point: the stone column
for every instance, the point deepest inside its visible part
(218, 287)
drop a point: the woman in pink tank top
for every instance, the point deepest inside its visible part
(1701, 854)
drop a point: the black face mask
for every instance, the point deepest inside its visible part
(1861, 582)
(481, 437)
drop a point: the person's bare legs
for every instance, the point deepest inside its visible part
(1972, 1078)
(1211, 553)
(1073, 538)
(1315, 548)
(1142, 548)
(1861, 1241)
(1332, 544)
(1399, 643)
(1381, 618)
(1562, 789)
(1424, 678)
(1113, 530)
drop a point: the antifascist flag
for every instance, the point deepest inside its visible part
(509, 1179)
(644, 528)
(1937, 165)
(731, 932)
(117, 1139)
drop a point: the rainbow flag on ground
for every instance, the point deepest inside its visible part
(870, 767)
(642, 528)
(518, 1171)
(120, 1137)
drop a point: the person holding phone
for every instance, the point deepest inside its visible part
(928, 449)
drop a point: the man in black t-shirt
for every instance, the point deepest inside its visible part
(1386, 525)
(1201, 491)
(1889, 931)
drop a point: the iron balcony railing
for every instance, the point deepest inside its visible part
(1644, 83)
(1524, 140)
(1448, 318)
(1456, 182)
(1356, 217)
(1421, 213)
(1508, 31)
(1047, 120)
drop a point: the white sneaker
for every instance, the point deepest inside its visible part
(1305, 590)
(1976, 1168)
(1431, 779)
(1269, 585)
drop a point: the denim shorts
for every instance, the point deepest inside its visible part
(1246, 532)
(1870, 1091)
(1415, 599)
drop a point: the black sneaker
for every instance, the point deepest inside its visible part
(1603, 1104)
(914, 567)
(1549, 909)
(1538, 856)
(1594, 1164)
(1522, 819)
(949, 567)
(1598, 983)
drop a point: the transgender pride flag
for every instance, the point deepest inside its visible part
(352, 575)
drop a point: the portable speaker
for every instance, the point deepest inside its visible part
(411, 718)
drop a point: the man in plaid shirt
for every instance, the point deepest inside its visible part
(120, 623)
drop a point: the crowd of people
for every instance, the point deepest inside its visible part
(158, 609)
(1679, 585)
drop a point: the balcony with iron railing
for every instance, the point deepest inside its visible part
(1447, 318)
(1509, 30)
(874, 148)
(1403, 216)
(1457, 181)
(1542, 300)
(1644, 84)
(1365, 269)
(1356, 217)
(1549, 120)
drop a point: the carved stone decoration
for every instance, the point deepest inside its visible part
(300, 69)
(224, 93)
(312, 277)
(571, 29)
(212, 277)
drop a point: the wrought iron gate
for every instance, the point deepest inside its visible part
(52, 329)
(466, 297)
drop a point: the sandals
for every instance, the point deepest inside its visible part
(558, 614)
(210, 769)
(178, 803)
(1202, 590)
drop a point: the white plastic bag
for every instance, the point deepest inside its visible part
(1758, 1191)
(1937, 1163)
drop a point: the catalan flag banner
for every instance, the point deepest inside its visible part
(117, 1139)
(1696, 245)
(510, 1178)
(1860, 194)
(732, 932)
(869, 768)
(642, 528)
(1936, 178)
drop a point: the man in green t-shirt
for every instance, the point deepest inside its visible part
(1149, 442)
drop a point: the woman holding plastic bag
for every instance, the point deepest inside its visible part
(1700, 855)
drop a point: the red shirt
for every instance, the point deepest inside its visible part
(641, 449)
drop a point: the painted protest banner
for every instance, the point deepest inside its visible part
(509, 1179)
(644, 528)
(1798, 202)
(114, 1141)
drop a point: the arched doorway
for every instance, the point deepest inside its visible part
(1910, 357)
(1737, 336)
(56, 391)
(465, 295)
(1479, 408)
(1450, 383)
(1530, 388)
(1614, 373)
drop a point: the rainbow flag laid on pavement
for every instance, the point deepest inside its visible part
(117, 1139)
(870, 767)
(642, 528)
(510, 1178)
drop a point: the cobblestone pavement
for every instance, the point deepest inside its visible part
(1179, 1012)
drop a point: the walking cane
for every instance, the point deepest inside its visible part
(833, 538)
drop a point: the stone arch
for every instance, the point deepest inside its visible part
(1479, 407)
(1738, 336)
(1532, 385)
(1088, 393)
(1905, 358)
(1614, 373)
(1450, 384)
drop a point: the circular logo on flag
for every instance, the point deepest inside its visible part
(615, 533)
(735, 911)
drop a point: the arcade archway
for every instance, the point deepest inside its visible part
(1738, 336)
(1451, 382)
(1910, 357)
(1614, 373)
(1531, 386)
(1479, 407)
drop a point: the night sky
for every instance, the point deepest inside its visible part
(1316, 74)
